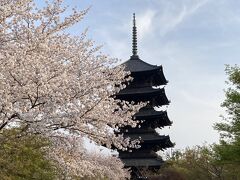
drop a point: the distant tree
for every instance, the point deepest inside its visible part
(58, 85)
(23, 157)
(229, 148)
(198, 163)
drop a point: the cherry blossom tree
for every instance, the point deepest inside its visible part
(79, 162)
(57, 85)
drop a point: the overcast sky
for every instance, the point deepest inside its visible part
(191, 39)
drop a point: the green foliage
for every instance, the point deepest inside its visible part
(195, 163)
(22, 157)
(231, 126)
(200, 163)
(229, 147)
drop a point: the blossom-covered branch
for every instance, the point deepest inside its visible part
(55, 84)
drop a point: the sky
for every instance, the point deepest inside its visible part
(191, 39)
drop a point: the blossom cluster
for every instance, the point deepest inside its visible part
(55, 84)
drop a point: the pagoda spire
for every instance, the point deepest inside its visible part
(134, 38)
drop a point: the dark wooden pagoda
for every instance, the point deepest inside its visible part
(146, 87)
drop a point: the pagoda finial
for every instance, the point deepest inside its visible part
(134, 38)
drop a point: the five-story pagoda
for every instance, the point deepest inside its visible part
(146, 87)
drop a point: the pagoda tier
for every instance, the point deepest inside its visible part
(137, 153)
(138, 130)
(156, 97)
(145, 74)
(152, 118)
(140, 157)
(143, 162)
(151, 141)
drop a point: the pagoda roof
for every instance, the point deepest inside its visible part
(153, 118)
(135, 65)
(140, 90)
(144, 162)
(146, 113)
(152, 141)
(155, 96)
(148, 137)
(156, 123)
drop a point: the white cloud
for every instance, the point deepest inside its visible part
(145, 23)
(120, 47)
(174, 14)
